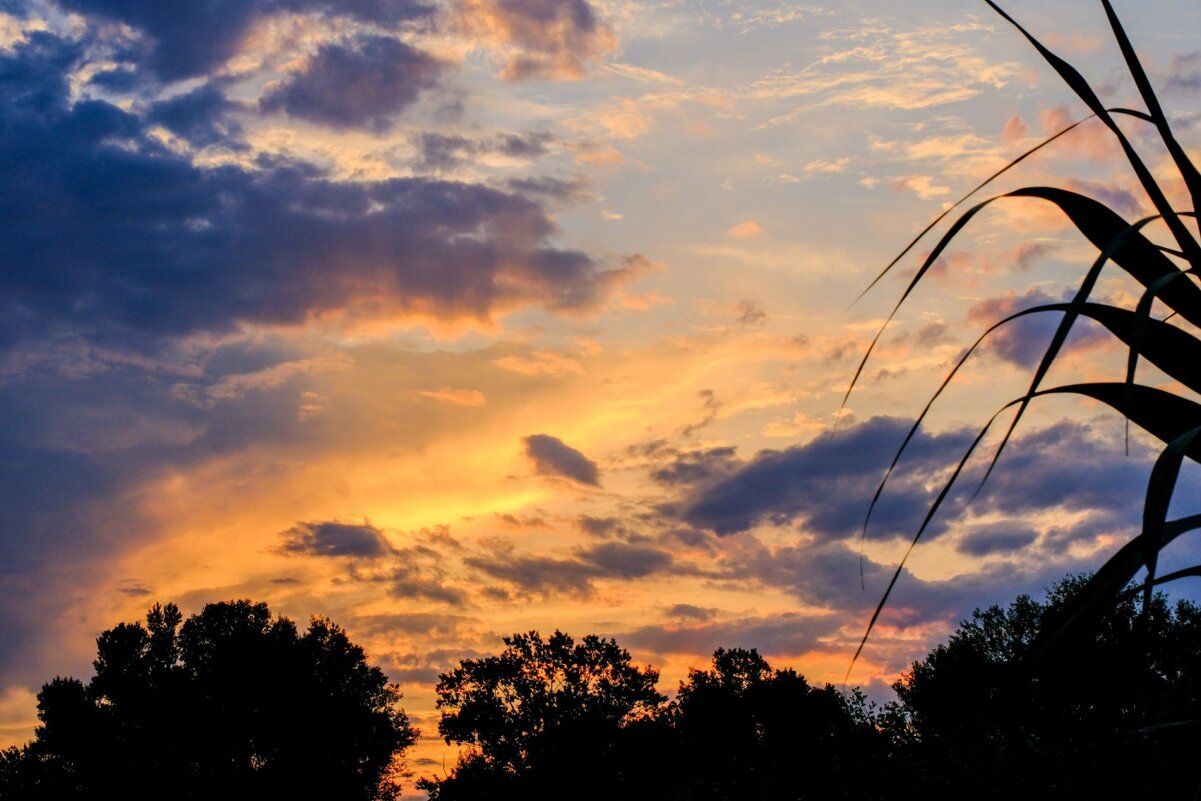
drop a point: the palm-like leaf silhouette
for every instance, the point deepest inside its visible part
(1167, 275)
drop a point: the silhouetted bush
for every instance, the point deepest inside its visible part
(1115, 713)
(233, 704)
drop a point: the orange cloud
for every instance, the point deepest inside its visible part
(745, 229)
(1015, 129)
(459, 397)
(540, 38)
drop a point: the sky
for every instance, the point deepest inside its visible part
(454, 319)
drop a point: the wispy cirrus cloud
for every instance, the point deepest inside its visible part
(879, 66)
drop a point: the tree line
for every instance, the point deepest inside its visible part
(237, 703)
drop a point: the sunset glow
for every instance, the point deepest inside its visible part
(457, 319)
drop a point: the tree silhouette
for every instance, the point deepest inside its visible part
(233, 703)
(746, 730)
(548, 719)
(1115, 713)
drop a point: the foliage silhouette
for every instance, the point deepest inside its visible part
(553, 719)
(545, 714)
(746, 730)
(1116, 716)
(1167, 276)
(234, 703)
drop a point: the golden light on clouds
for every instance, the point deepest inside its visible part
(745, 229)
(379, 349)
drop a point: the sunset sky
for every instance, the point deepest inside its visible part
(457, 318)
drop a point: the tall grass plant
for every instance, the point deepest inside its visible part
(1160, 327)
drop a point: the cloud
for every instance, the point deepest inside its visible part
(745, 229)
(552, 457)
(690, 612)
(1000, 538)
(1015, 129)
(418, 573)
(189, 248)
(365, 84)
(540, 363)
(622, 560)
(200, 116)
(695, 467)
(357, 540)
(545, 575)
(540, 38)
(881, 67)
(600, 526)
(750, 313)
(1069, 466)
(1026, 254)
(1184, 74)
(575, 190)
(923, 186)
(710, 406)
(185, 40)
(459, 397)
(1024, 341)
(827, 483)
(1118, 199)
(788, 633)
(442, 152)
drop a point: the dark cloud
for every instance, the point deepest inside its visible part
(537, 574)
(789, 633)
(1118, 199)
(419, 572)
(600, 526)
(365, 84)
(185, 40)
(200, 116)
(439, 152)
(540, 575)
(622, 560)
(1028, 253)
(999, 538)
(521, 145)
(358, 540)
(827, 483)
(422, 624)
(695, 467)
(552, 457)
(710, 406)
(1184, 74)
(690, 612)
(126, 239)
(822, 574)
(1023, 341)
(1067, 466)
(576, 190)
(416, 572)
(750, 313)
